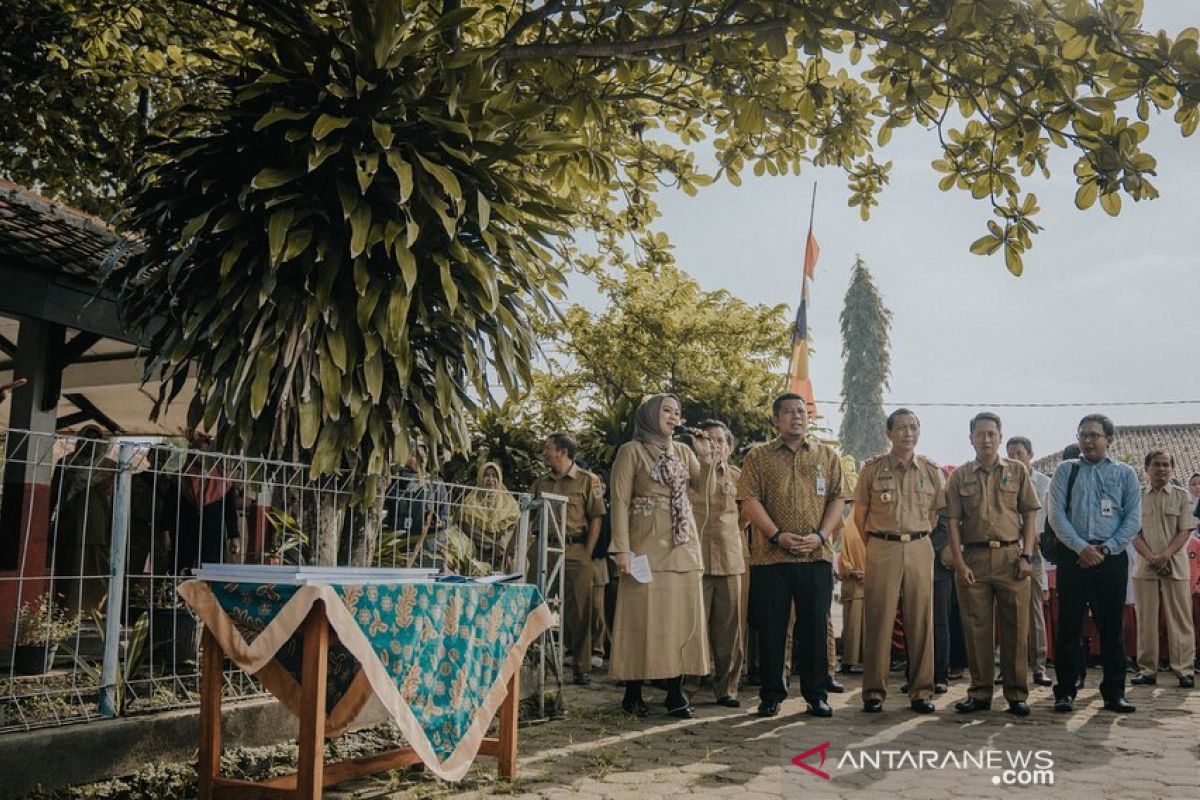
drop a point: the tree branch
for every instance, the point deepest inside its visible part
(638, 47)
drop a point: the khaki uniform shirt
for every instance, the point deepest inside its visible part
(585, 502)
(854, 550)
(715, 508)
(989, 503)
(1166, 513)
(794, 486)
(899, 498)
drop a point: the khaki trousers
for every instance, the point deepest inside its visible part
(852, 622)
(1037, 619)
(726, 616)
(898, 573)
(577, 613)
(995, 592)
(1149, 595)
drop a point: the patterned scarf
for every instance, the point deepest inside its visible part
(671, 472)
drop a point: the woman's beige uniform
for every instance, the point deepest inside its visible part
(659, 630)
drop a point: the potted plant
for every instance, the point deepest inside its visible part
(41, 627)
(288, 542)
(173, 634)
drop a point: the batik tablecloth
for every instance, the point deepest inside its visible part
(438, 656)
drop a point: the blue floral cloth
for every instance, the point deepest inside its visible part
(443, 645)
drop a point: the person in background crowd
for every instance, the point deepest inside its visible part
(850, 565)
(991, 507)
(604, 581)
(793, 491)
(488, 516)
(715, 507)
(585, 515)
(83, 521)
(1160, 577)
(659, 630)
(1097, 525)
(943, 587)
(419, 506)
(203, 513)
(896, 503)
(1021, 449)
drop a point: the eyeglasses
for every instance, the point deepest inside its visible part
(1086, 435)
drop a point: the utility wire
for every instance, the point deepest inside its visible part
(933, 404)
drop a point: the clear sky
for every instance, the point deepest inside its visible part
(1105, 312)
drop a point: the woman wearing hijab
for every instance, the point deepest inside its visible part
(489, 515)
(659, 630)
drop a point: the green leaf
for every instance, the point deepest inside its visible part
(310, 421)
(1111, 203)
(360, 226)
(1086, 195)
(485, 210)
(271, 177)
(448, 286)
(407, 263)
(986, 245)
(404, 174)
(327, 124)
(277, 229)
(383, 134)
(262, 380)
(447, 179)
(276, 114)
(1012, 260)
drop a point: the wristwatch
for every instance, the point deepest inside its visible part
(1027, 557)
(774, 538)
(1104, 549)
(824, 539)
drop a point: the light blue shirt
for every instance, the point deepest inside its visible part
(1106, 504)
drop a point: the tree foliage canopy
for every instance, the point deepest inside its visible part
(353, 206)
(866, 324)
(660, 331)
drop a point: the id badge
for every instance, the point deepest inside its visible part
(820, 486)
(1106, 507)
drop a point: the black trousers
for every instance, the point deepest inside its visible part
(1102, 589)
(943, 588)
(776, 589)
(958, 643)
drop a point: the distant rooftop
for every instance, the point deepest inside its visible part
(1133, 442)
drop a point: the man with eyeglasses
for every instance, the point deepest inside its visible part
(1096, 511)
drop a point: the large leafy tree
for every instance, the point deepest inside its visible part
(660, 331)
(351, 206)
(866, 325)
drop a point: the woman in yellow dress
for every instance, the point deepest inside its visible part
(659, 630)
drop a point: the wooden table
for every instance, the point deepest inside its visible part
(313, 774)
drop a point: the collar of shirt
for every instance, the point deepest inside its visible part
(897, 464)
(570, 473)
(1084, 462)
(976, 465)
(778, 442)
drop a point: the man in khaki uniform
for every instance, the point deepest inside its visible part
(991, 506)
(1160, 577)
(585, 512)
(716, 511)
(895, 506)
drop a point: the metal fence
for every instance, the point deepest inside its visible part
(90, 622)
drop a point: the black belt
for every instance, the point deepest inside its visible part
(900, 537)
(993, 544)
(579, 539)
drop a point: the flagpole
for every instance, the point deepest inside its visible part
(812, 209)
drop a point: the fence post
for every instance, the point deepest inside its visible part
(115, 606)
(547, 637)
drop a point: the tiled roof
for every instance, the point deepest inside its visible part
(1133, 442)
(45, 235)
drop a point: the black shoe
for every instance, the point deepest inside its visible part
(766, 709)
(1187, 682)
(922, 706)
(940, 688)
(1143, 680)
(971, 705)
(636, 708)
(1120, 705)
(872, 706)
(1064, 705)
(999, 680)
(1018, 708)
(683, 712)
(852, 670)
(834, 686)
(729, 702)
(820, 709)
(904, 689)
(583, 679)
(1042, 679)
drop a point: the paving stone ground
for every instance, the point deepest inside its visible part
(597, 752)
